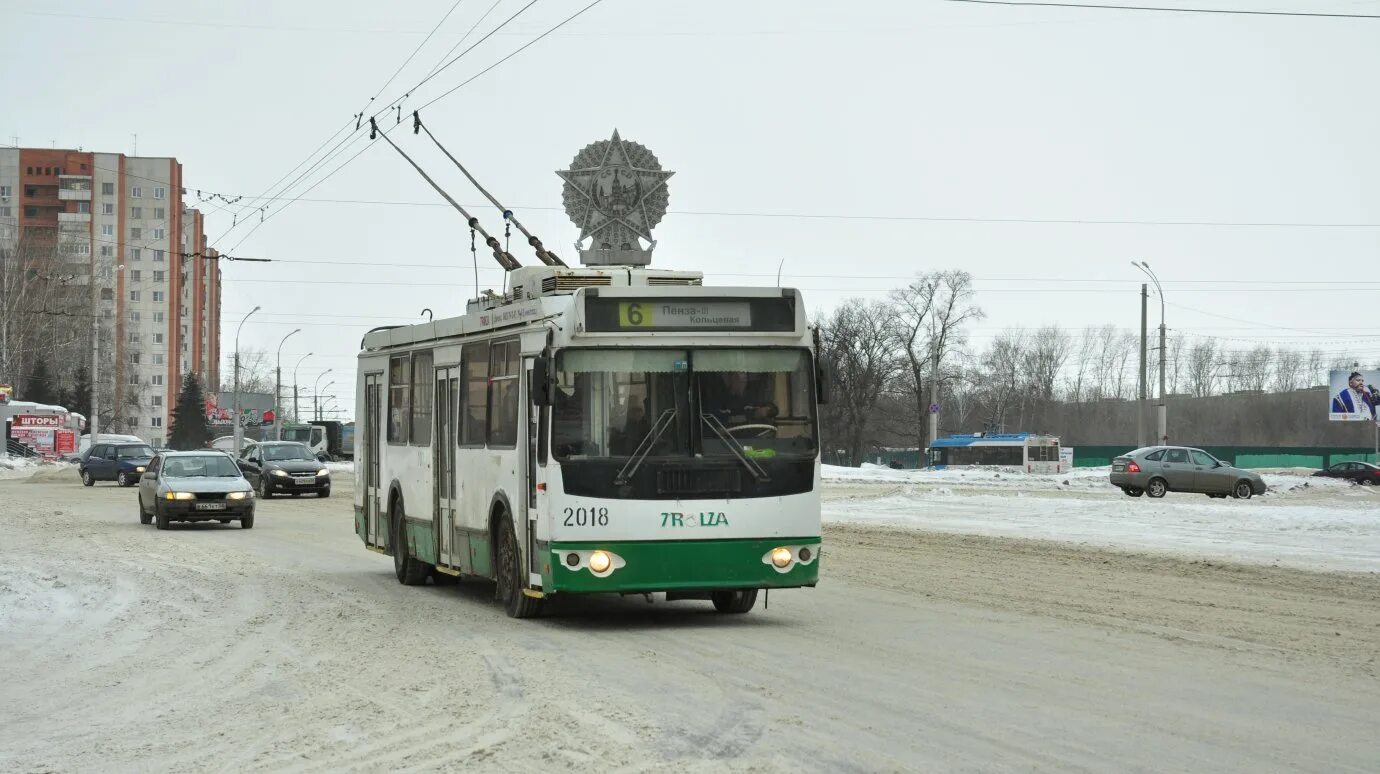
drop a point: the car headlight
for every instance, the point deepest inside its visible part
(280, 473)
(139, 469)
(322, 473)
(239, 495)
(179, 496)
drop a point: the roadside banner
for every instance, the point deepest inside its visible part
(1352, 395)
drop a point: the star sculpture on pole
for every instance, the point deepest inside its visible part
(615, 191)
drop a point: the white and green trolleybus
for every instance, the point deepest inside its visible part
(610, 429)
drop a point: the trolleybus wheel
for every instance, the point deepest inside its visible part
(410, 572)
(734, 602)
(509, 567)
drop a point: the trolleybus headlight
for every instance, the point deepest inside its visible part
(781, 557)
(599, 561)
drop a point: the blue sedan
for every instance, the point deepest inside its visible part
(122, 463)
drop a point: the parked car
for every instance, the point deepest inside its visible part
(226, 443)
(1156, 470)
(122, 463)
(195, 486)
(1358, 472)
(284, 466)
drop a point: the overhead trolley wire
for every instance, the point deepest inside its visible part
(1170, 9)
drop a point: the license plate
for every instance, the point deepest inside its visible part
(1118, 468)
(305, 480)
(210, 506)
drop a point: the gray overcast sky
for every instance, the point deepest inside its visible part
(906, 109)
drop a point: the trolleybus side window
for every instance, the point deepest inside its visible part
(503, 393)
(474, 362)
(399, 390)
(421, 398)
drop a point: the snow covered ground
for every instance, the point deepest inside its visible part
(1301, 522)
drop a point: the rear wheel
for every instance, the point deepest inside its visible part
(86, 478)
(509, 566)
(1242, 490)
(1366, 482)
(410, 572)
(1133, 491)
(1157, 487)
(734, 602)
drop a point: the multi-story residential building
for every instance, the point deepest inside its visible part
(119, 221)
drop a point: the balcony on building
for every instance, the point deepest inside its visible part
(74, 188)
(74, 217)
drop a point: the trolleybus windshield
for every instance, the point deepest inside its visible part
(607, 402)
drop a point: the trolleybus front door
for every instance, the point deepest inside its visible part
(443, 451)
(374, 530)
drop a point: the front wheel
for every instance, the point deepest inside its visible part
(144, 517)
(160, 517)
(509, 565)
(324, 493)
(1157, 487)
(1133, 491)
(1242, 490)
(734, 602)
(122, 479)
(247, 522)
(264, 493)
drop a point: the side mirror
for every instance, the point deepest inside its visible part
(541, 381)
(322, 458)
(149, 476)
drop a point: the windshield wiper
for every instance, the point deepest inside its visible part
(735, 447)
(645, 447)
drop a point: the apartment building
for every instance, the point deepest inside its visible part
(119, 221)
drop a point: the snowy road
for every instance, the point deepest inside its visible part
(289, 647)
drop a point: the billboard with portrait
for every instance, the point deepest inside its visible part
(1352, 395)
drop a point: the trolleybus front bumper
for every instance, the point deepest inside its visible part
(680, 565)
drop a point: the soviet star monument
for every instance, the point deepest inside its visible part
(615, 191)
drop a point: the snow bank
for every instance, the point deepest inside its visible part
(24, 467)
(1304, 522)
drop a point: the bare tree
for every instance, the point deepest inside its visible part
(1289, 370)
(1202, 368)
(1004, 380)
(855, 348)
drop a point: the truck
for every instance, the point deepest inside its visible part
(326, 438)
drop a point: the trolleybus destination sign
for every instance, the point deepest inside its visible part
(684, 314)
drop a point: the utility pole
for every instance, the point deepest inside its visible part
(239, 427)
(1140, 405)
(1161, 412)
(278, 389)
(93, 421)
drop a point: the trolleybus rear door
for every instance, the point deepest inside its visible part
(374, 530)
(531, 415)
(443, 451)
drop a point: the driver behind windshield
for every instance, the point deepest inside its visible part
(735, 397)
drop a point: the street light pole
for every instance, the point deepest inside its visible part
(316, 392)
(278, 390)
(239, 429)
(296, 414)
(1161, 413)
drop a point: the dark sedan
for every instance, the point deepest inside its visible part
(1362, 473)
(285, 467)
(122, 463)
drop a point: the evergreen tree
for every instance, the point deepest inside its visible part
(81, 392)
(190, 430)
(40, 388)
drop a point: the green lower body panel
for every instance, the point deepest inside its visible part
(680, 565)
